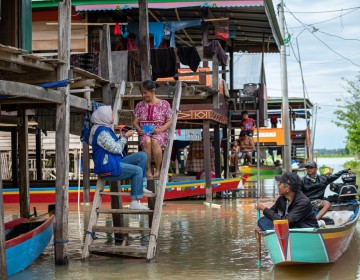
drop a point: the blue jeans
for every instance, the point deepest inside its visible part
(133, 167)
(265, 224)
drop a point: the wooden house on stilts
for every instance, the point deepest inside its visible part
(113, 69)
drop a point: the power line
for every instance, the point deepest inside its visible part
(322, 12)
(306, 26)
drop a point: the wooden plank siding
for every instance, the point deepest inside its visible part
(45, 37)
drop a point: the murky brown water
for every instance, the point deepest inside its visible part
(196, 242)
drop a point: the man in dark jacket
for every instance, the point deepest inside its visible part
(314, 186)
(292, 205)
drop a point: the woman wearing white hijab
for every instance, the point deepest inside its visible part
(109, 158)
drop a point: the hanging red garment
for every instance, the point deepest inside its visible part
(117, 30)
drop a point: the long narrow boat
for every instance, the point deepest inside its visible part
(312, 245)
(264, 170)
(45, 192)
(26, 239)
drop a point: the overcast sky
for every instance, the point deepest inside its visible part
(333, 55)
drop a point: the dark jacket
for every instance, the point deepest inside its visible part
(316, 190)
(300, 212)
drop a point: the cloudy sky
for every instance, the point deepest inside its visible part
(329, 53)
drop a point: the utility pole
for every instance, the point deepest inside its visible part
(284, 89)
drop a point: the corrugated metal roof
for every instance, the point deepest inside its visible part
(253, 23)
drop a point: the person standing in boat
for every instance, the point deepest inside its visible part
(110, 159)
(292, 205)
(314, 186)
(157, 114)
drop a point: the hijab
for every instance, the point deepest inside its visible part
(101, 117)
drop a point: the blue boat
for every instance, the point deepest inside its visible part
(26, 239)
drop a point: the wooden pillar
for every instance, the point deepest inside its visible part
(215, 82)
(217, 150)
(144, 46)
(3, 273)
(14, 157)
(207, 159)
(106, 63)
(62, 138)
(86, 159)
(38, 155)
(226, 152)
(24, 183)
(231, 66)
(86, 173)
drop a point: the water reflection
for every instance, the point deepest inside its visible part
(196, 241)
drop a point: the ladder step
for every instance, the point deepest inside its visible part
(127, 194)
(121, 229)
(124, 211)
(108, 248)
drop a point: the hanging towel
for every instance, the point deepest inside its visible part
(189, 56)
(163, 62)
(215, 48)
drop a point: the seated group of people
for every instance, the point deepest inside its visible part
(301, 201)
(110, 159)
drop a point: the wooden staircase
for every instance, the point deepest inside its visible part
(122, 244)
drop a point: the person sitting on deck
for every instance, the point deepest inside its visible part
(314, 186)
(247, 124)
(292, 205)
(156, 114)
(247, 146)
(109, 156)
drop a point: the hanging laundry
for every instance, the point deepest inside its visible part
(214, 48)
(163, 62)
(155, 28)
(221, 29)
(117, 31)
(189, 56)
(172, 26)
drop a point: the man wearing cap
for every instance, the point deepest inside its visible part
(292, 205)
(314, 186)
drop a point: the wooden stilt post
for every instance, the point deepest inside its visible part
(3, 273)
(62, 138)
(106, 64)
(14, 157)
(86, 159)
(144, 46)
(207, 159)
(217, 150)
(24, 182)
(38, 155)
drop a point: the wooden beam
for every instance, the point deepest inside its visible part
(29, 62)
(11, 67)
(83, 83)
(3, 272)
(38, 154)
(24, 182)
(62, 138)
(144, 46)
(217, 149)
(207, 159)
(9, 119)
(30, 78)
(30, 91)
(14, 157)
(106, 63)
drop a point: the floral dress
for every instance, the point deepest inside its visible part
(157, 114)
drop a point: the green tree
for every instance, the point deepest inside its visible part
(348, 116)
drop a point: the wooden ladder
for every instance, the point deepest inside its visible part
(154, 214)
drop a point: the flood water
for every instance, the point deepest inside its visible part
(195, 242)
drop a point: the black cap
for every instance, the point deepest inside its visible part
(149, 85)
(311, 164)
(292, 179)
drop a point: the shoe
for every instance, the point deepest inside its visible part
(135, 205)
(145, 190)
